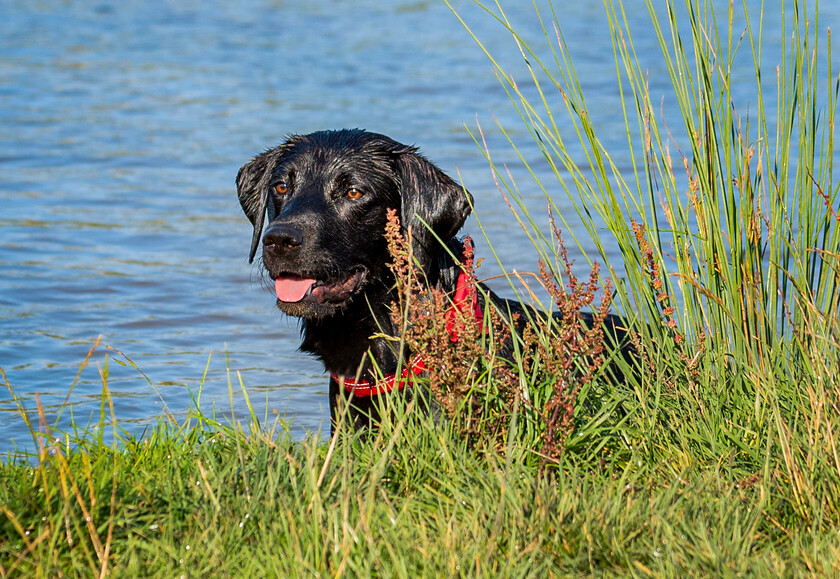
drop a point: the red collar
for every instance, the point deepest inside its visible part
(465, 300)
(366, 388)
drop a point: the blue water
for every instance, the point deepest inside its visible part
(122, 127)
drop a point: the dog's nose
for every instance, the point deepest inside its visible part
(281, 238)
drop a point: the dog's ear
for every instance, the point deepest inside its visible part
(431, 202)
(252, 186)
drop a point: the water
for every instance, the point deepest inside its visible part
(122, 127)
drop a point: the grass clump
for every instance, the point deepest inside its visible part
(729, 236)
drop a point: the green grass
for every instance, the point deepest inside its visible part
(199, 499)
(717, 457)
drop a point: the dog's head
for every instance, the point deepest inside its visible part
(324, 198)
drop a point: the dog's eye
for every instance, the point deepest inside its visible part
(354, 193)
(281, 188)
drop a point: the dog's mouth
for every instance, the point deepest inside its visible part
(292, 288)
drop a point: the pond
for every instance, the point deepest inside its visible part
(122, 127)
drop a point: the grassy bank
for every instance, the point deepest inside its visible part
(201, 499)
(714, 454)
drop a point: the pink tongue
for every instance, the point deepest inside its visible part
(292, 288)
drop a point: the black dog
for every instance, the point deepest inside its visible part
(325, 197)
